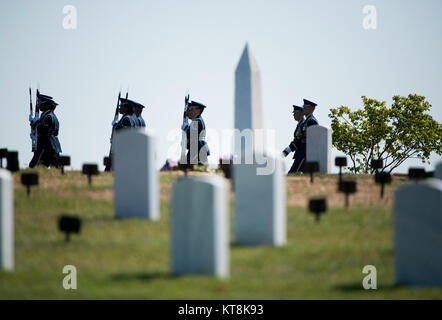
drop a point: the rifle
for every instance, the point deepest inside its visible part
(33, 128)
(117, 109)
(117, 112)
(37, 109)
(184, 136)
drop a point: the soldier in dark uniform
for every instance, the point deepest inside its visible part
(127, 120)
(138, 109)
(47, 126)
(307, 110)
(296, 144)
(197, 147)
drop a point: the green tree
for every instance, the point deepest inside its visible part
(405, 130)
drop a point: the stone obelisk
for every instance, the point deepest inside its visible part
(248, 104)
(260, 204)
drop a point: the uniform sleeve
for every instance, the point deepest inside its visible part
(296, 142)
(44, 125)
(123, 123)
(311, 122)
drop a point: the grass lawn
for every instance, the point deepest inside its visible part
(129, 259)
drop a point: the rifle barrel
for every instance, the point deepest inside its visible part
(30, 101)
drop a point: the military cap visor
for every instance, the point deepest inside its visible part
(43, 96)
(125, 101)
(297, 109)
(43, 99)
(195, 105)
(309, 103)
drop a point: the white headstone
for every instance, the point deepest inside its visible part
(135, 175)
(6, 221)
(418, 233)
(199, 223)
(319, 146)
(260, 203)
(248, 104)
(438, 173)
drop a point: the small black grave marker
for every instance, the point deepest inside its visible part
(416, 174)
(317, 206)
(348, 187)
(69, 224)
(90, 169)
(340, 162)
(29, 179)
(3, 155)
(311, 167)
(12, 161)
(382, 178)
(64, 161)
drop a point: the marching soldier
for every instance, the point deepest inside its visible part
(47, 126)
(138, 109)
(127, 120)
(296, 144)
(197, 147)
(125, 107)
(307, 110)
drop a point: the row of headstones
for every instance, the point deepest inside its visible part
(200, 220)
(199, 214)
(199, 210)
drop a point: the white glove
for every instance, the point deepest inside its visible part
(114, 122)
(286, 151)
(184, 126)
(33, 119)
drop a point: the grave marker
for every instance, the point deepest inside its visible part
(12, 161)
(90, 169)
(6, 221)
(199, 226)
(418, 233)
(29, 179)
(318, 206)
(311, 167)
(348, 187)
(382, 178)
(3, 155)
(260, 204)
(340, 162)
(136, 176)
(64, 161)
(69, 224)
(319, 146)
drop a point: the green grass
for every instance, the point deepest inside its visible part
(129, 259)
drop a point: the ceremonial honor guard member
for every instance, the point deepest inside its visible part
(138, 109)
(308, 109)
(197, 147)
(296, 145)
(47, 127)
(127, 120)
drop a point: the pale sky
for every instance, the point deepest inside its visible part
(317, 50)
